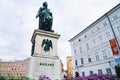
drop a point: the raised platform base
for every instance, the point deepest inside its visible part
(40, 66)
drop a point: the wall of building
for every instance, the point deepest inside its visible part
(14, 68)
(69, 65)
(91, 49)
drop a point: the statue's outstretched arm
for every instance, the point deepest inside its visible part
(38, 14)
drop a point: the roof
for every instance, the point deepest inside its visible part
(91, 25)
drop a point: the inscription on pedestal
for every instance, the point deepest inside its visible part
(46, 64)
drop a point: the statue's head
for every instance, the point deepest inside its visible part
(45, 4)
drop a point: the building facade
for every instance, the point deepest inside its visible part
(95, 48)
(16, 68)
(69, 65)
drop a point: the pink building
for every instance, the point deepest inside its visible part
(17, 68)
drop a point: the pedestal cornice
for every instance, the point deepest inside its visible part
(44, 33)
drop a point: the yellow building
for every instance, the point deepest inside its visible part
(69, 65)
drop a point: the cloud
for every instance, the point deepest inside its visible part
(17, 23)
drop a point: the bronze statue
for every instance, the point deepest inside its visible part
(33, 48)
(46, 44)
(45, 18)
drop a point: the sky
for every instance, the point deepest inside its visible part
(18, 22)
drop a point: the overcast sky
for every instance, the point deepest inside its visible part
(17, 23)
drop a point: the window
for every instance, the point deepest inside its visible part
(104, 54)
(79, 40)
(115, 17)
(2, 64)
(94, 41)
(89, 60)
(87, 46)
(108, 34)
(100, 71)
(76, 62)
(20, 74)
(80, 49)
(105, 23)
(100, 37)
(83, 73)
(91, 72)
(108, 70)
(12, 69)
(97, 56)
(82, 62)
(92, 32)
(98, 28)
(85, 36)
(118, 28)
(75, 51)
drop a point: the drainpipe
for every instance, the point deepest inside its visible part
(113, 34)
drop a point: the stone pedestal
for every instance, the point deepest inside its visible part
(44, 60)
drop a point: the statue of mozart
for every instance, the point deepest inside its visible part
(45, 18)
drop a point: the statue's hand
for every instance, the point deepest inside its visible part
(36, 16)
